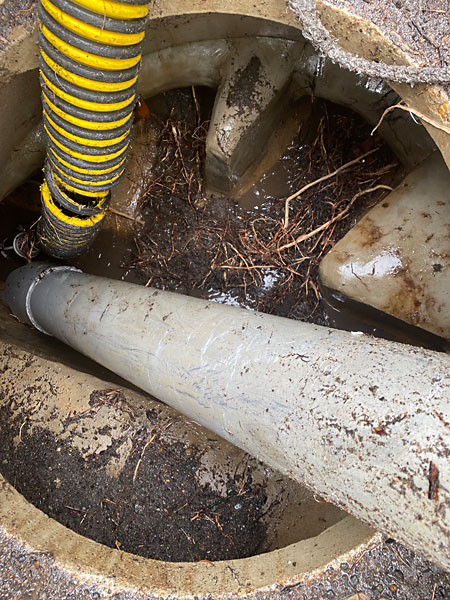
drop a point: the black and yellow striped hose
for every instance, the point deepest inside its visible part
(90, 54)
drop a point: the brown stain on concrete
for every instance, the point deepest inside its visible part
(371, 234)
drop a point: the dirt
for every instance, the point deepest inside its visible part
(157, 509)
(243, 93)
(15, 13)
(214, 247)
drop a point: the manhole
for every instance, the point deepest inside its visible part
(297, 535)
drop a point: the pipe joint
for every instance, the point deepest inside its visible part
(19, 288)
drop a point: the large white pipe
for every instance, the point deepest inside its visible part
(362, 421)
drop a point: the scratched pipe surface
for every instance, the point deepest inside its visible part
(362, 421)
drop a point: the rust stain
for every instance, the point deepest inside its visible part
(433, 482)
(441, 418)
(371, 233)
(141, 110)
(380, 431)
(444, 111)
(408, 297)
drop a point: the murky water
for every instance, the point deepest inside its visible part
(108, 256)
(112, 252)
(276, 183)
(344, 313)
(20, 210)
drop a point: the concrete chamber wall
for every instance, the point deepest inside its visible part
(177, 36)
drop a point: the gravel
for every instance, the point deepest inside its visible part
(419, 27)
(400, 27)
(13, 14)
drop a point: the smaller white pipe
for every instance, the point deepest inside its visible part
(362, 421)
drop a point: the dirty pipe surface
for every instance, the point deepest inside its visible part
(361, 421)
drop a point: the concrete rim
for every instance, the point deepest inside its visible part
(353, 33)
(199, 22)
(90, 562)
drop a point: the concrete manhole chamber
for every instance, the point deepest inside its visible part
(49, 392)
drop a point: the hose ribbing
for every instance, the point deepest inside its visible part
(90, 56)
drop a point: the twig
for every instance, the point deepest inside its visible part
(247, 267)
(145, 448)
(434, 591)
(197, 107)
(142, 454)
(376, 545)
(414, 112)
(20, 431)
(250, 267)
(26, 10)
(81, 414)
(400, 558)
(225, 535)
(337, 217)
(317, 181)
(125, 216)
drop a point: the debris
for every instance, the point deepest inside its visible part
(125, 216)
(142, 454)
(145, 448)
(413, 111)
(338, 217)
(320, 180)
(433, 480)
(201, 244)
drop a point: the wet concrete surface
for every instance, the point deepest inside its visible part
(396, 258)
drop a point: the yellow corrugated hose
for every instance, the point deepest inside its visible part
(90, 53)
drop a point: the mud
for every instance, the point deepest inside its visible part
(154, 506)
(226, 249)
(243, 94)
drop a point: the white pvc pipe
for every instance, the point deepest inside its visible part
(362, 421)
